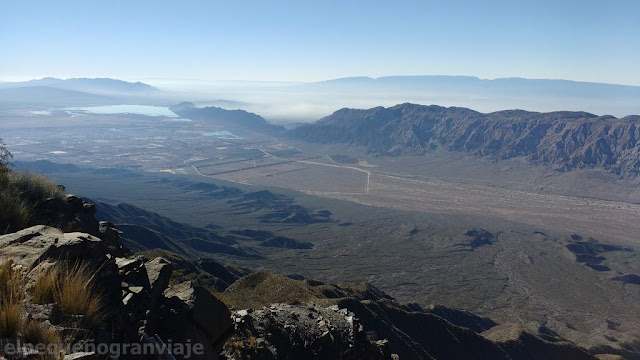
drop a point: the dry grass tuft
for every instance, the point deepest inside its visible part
(10, 283)
(45, 286)
(10, 319)
(12, 314)
(11, 296)
(73, 289)
(40, 333)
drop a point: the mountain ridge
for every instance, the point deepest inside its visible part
(564, 139)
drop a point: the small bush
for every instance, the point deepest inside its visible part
(34, 187)
(21, 193)
(72, 288)
(5, 156)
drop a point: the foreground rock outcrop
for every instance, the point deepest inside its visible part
(135, 296)
(285, 331)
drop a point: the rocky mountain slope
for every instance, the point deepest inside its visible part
(567, 140)
(146, 230)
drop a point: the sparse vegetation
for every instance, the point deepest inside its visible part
(12, 314)
(262, 288)
(72, 288)
(21, 193)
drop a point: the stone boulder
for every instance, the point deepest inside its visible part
(192, 314)
(159, 271)
(111, 236)
(72, 213)
(36, 244)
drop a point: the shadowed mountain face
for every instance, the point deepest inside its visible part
(568, 140)
(145, 230)
(233, 119)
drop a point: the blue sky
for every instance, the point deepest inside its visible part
(588, 40)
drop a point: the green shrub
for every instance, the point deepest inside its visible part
(5, 156)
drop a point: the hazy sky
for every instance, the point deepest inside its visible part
(588, 40)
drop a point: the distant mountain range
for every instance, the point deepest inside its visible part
(485, 95)
(286, 102)
(513, 86)
(103, 86)
(53, 92)
(48, 96)
(567, 140)
(231, 119)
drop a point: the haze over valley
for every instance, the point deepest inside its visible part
(508, 194)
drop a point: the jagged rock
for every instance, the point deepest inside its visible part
(285, 331)
(135, 285)
(210, 314)
(70, 213)
(159, 272)
(190, 313)
(126, 265)
(33, 245)
(44, 312)
(111, 236)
